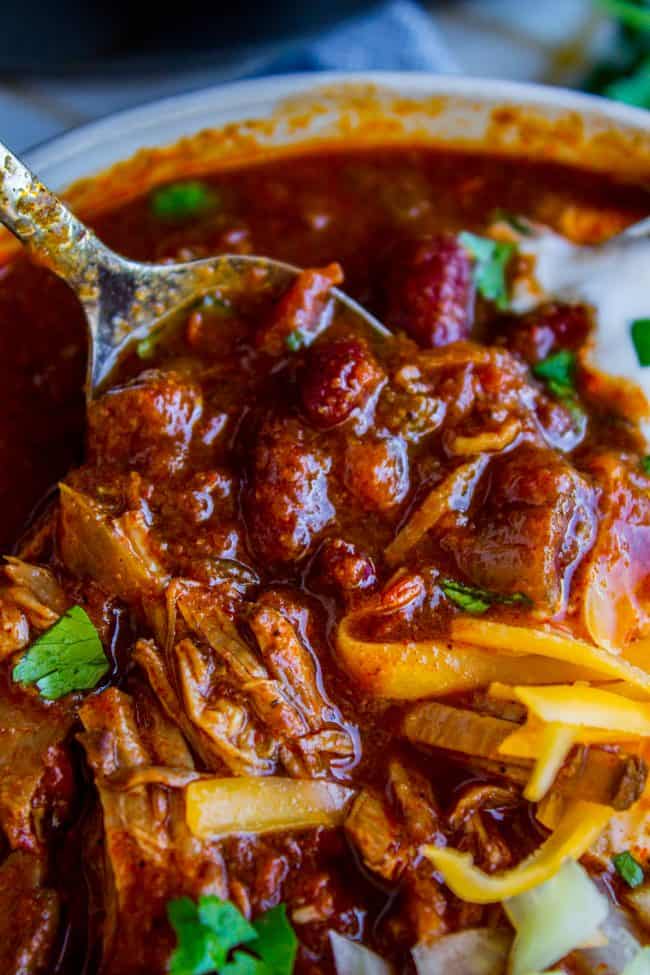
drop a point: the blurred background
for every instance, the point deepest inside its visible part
(67, 62)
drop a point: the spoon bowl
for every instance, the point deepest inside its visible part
(126, 301)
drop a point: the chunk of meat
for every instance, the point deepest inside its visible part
(342, 567)
(289, 661)
(338, 377)
(298, 315)
(149, 855)
(413, 796)
(430, 290)
(535, 527)
(29, 917)
(14, 626)
(228, 723)
(478, 832)
(36, 783)
(287, 501)
(281, 691)
(220, 747)
(388, 831)
(376, 836)
(116, 552)
(377, 471)
(36, 590)
(146, 424)
(548, 329)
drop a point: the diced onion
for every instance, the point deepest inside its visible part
(554, 918)
(351, 958)
(620, 949)
(640, 965)
(508, 639)
(218, 807)
(579, 827)
(477, 951)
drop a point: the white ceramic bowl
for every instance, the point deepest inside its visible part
(375, 107)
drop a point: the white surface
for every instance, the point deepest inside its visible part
(612, 279)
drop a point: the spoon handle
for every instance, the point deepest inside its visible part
(46, 227)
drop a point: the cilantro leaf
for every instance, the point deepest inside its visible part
(276, 942)
(67, 657)
(243, 964)
(208, 931)
(184, 200)
(558, 372)
(628, 868)
(645, 464)
(477, 601)
(641, 338)
(634, 88)
(634, 15)
(294, 340)
(491, 258)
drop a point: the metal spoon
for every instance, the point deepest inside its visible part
(126, 300)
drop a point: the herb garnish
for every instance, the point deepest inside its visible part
(67, 657)
(181, 201)
(477, 601)
(625, 74)
(491, 258)
(641, 338)
(645, 464)
(558, 373)
(207, 933)
(628, 868)
(294, 340)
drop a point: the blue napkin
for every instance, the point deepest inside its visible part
(398, 35)
(391, 35)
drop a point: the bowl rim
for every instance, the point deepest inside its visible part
(239, 100)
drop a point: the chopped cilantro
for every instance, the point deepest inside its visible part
(628, 12)
(520, 224)
(477, 601)
(294, 341)
(645, 464)
(558, 372)
(208, 932)
(181, 201)
(146, 348)
(641, 338)
(491, 259)
(67, 657)
(628, 868)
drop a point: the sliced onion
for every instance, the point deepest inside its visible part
(351, 958)
(555, 918)
(478, 951)
(640, 965)
(621, 949)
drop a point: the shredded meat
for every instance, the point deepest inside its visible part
(149, 854)
(29, 917)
